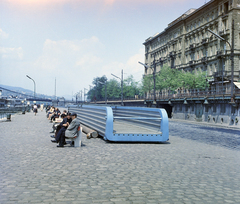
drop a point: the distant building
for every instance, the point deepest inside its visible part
(187, 45)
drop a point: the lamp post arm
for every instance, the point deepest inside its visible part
(34, 85)
(115, 76)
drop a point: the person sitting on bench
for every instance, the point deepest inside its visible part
(70, 132)
(62, 127)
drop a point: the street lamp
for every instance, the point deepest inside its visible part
(121, 86)
(154, 77)
(84, 93)
(34, 85)
(105, 90)
(231, 57)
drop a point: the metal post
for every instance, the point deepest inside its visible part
(122, 89)
(154, 79)
(105, 92)
(121, 86)
(231, 57)
(84, 93)
(55, 89)
(232, 63)
(34, 85)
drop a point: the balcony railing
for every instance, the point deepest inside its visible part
(220, 53)
(192, 46)
(192, 62)
(204, 60)
(204, 41)
(172, 54)
(167, 95)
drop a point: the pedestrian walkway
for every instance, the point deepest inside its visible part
(34, 170)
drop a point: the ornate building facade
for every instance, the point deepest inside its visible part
(186, 43)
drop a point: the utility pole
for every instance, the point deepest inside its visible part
(232, 64)
(121, 86)
(122, 89)
(84, 93)
(34, 85)
(105, 84)
(231, 58)
(55, 89)
(154, 79)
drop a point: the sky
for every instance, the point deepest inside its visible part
(75, 41)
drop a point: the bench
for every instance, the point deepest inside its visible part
(77, 139)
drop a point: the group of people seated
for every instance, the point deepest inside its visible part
(65, 126)
(53, 113)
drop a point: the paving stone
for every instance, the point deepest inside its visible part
(200, 164)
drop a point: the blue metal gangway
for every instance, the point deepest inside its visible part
(119, 123)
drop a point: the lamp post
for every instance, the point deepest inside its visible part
(154, 77)
(90, 87)
(84, 93)
(34, 85)
(231, 57)
(105, 84)
(121, 79)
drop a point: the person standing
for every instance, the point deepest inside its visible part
(35, 109)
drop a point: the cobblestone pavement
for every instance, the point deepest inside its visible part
(225, 137)
(185, 170)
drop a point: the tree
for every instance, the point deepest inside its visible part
(130, 87)
(113, 89)
(147, 83)
(96, 92)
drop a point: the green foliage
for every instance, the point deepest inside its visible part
(167, 78)
(96, 92)
(130, 87)
(113, 89)
(147, 83)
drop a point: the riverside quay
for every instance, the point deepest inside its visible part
(207, 40)
(199, 164)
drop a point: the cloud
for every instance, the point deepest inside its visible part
(39, 4)
(76, 61)
(3, 35)
(130, 67)
(11, 53)
(66, 53)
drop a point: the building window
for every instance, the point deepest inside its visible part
(226, 7)
(231, 4)
(220, 10)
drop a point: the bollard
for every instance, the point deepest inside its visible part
(8, 117)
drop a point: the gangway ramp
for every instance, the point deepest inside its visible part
(117, 123)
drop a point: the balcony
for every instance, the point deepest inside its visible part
(192, 46)
(204, 60)
(220, 54)
(192, 62)
(172, 54)
(225, 15)
(204, 41)
(222, 33)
